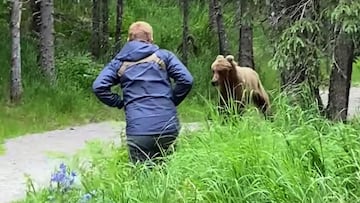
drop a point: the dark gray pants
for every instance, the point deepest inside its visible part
(145, 148)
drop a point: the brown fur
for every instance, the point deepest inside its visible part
(229, 76)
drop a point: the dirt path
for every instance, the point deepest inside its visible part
(28, 154)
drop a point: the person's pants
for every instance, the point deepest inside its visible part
(145, 148)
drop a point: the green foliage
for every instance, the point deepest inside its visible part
(303, 44)
(346, 15)
(78, 71)
(299, 157)
(293, 48)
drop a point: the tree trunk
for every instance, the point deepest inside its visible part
(105, 26)
(47, 40)
(119, 14)
(36, 16)
(185, 4)
(95, 37)
(246, 54)
(15, 83)
(212, 16)
(340, 78)
(222, 37)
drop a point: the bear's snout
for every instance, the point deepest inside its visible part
(214, 83)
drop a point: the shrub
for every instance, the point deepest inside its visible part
(78, 70)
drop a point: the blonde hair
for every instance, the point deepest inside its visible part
(140, 30)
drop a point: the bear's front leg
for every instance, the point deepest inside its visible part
(262, 105)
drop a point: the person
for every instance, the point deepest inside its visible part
(143, 71)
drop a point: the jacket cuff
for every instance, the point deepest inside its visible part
(120, 104)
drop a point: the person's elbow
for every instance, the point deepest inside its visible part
(100, 93)
(97, 87)
(189, 81)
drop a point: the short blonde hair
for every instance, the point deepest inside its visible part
(140, 30)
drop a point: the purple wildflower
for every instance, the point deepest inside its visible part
(63, 178)
(85, 198)
(62, 167)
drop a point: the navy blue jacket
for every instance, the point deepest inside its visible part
(149, 100)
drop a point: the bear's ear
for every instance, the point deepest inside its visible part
(219, 57)
(230, 58)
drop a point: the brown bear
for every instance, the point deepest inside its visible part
(244, 83)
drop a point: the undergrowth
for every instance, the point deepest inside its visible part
(299, 157)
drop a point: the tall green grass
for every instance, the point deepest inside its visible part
(299, 157)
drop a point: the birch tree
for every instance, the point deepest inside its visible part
(15, 82)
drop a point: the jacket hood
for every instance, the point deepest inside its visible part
(136, 50)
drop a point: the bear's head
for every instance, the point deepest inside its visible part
(221, 68)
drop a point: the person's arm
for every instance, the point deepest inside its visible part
(105, 80)
(183, 78)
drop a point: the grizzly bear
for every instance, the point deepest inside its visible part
(244, 83)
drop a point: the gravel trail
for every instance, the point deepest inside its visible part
(29, 154)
